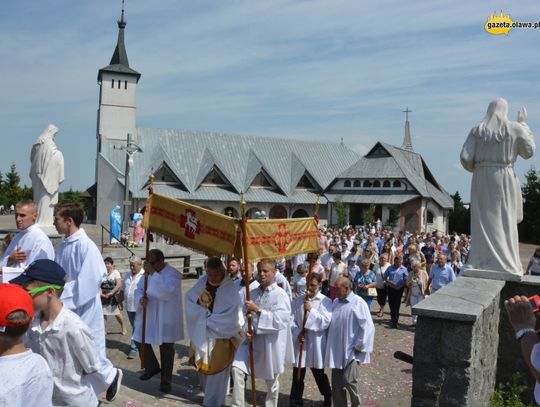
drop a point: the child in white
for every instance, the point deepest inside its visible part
(26, 378)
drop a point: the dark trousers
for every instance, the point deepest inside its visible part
(297, 387)
(394, 301)
(151, 365)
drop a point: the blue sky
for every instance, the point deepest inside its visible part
(309, 70)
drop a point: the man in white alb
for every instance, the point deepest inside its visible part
(272, 341)
(85, 269)
(30, 244)
(214, 322)
(350, 341)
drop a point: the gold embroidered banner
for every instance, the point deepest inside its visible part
(275, 238)
(190, 225)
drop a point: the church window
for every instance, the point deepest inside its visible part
(377, 184)
(214, 178)
(397, 184)
(112, 83)
(386, 184)
(367, 184)
(261, 180)
(356, 184)
(125, 84)
(429, 216)
(119, 83)
(304, 182)
(347, 183)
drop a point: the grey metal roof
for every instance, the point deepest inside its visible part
(386, 199)
(191, 155)
(400, 164)
(220, 194)
(376, 167)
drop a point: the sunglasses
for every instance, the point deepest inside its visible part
(38, 290)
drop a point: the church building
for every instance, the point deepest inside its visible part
(278, 178)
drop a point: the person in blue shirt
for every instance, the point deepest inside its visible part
(364, 280)
(440, 275)
(395, 277)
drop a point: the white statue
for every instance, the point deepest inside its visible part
(47, 173)
(489, 153)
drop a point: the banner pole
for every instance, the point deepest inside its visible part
(311, 259)
(145, 296)
(248, 298)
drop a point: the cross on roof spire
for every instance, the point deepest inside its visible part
(407, 140)
(122, 17)
(406, 111)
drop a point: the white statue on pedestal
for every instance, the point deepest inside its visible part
(490, 152)
(46, 173)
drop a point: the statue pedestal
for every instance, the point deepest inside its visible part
(491, 274)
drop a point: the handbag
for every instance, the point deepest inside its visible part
(372, 292)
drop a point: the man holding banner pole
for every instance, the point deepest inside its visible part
(164, 322)
(271, 339)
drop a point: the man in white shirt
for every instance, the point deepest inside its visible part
(337, 270)
(130, 285)
(319, 308)
(272, 341)
(31, 243)
(350, 341)
(214, 322)
(164, 317)
(85, 269)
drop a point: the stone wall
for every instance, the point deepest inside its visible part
(456, 344)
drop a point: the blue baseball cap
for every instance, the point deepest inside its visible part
(44, 270)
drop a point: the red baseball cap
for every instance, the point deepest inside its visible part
(13, 298)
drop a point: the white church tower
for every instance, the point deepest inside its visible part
(117, 82)
(116, 118)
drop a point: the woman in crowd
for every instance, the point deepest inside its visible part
(534, 264)
(379, 270)
(371, 255)
(110, 291)
(364, 280)
(416, 286)
(413, 256)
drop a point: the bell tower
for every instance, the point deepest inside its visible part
(117, 111)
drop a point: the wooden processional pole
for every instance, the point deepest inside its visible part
(311, 259)
(145, 297)
(248, 298)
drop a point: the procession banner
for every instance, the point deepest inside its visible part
(190, 225)
(275, 238)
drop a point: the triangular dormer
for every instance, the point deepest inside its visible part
(215, 178)
(307, 182)
(164, 175)
(262, 180)
(378, 151)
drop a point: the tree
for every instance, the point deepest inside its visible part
(70, 196)
(393, 217)
(459, 218)
(27, 193)
(12, 190)
(529, 229)
(341, 215)
(368, 215)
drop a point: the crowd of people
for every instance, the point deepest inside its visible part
(311, 310)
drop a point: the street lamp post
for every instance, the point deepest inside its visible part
(130, 148)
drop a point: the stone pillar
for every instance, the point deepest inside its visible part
(456, 344)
